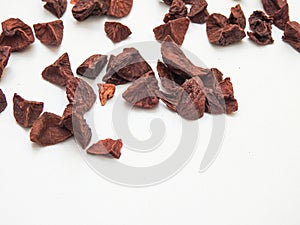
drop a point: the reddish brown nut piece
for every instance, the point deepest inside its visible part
(59, 72)
(261, 25)
(176, 29)
(237, 16)
(86, 8)
(142, 93)
(56, 7)
(4, 57)
(128, 65)
(221, 32)
(107, 147)
(177, 61)
(106, 92)
(50, 33)
(120, 8)
(177, 10)
(278, 10)
(198, 12)
(111, 76)
(26, 112)
(16, 34)
(292, 35)
(3, 102)
(116, 32)
(80, 94)
(92, 66)
(46, 130)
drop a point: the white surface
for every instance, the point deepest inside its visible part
(255, 180)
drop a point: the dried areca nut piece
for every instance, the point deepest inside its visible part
(168, 79)
(116, 32)
(81, 130)
(59, 72)
(220, 32)
(177, 61)
(128, 65)
(111, 77)
(120, 8)
(177, 10)
(278, 10)
(50, 33)
(56, 7)
(142, 93)
(86, 8)
(198, 12)
(106, 92)
(80, 94)
(16, 34)
(220, 99)
(66, 119)
(107, 147)
(46, 130)
(176, 29)
(212, 79)
(292, 35)
(261, 25)
(26, 112)
(237, 16)
(92, 66)
(3, 102)
(4, 57)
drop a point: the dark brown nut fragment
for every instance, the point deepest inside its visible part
(16, 34)
(169, 80)
(26, 112)
(212, 79)
(220, 32)
(86, 8)
(142, 93)
(3, 102)
(80, 94)
(120, 8)
(116, 32)
(81, 130)
(176, 29)
(198, 12)
(128, 65)
(278, 10)
(261, 25)
(107, 147)
(292, 35)
(177, 62)
(56, 7)
(46, 130)
(106, 92)
(4, 57)
(177, 10)
(237, 16)
(50, 33)
(59, 72)
(66, 119)
(92, 66)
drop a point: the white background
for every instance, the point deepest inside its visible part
(255, 180)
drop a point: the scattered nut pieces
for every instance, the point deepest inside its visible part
(116, 32)
(50, 33)
(106, 92)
